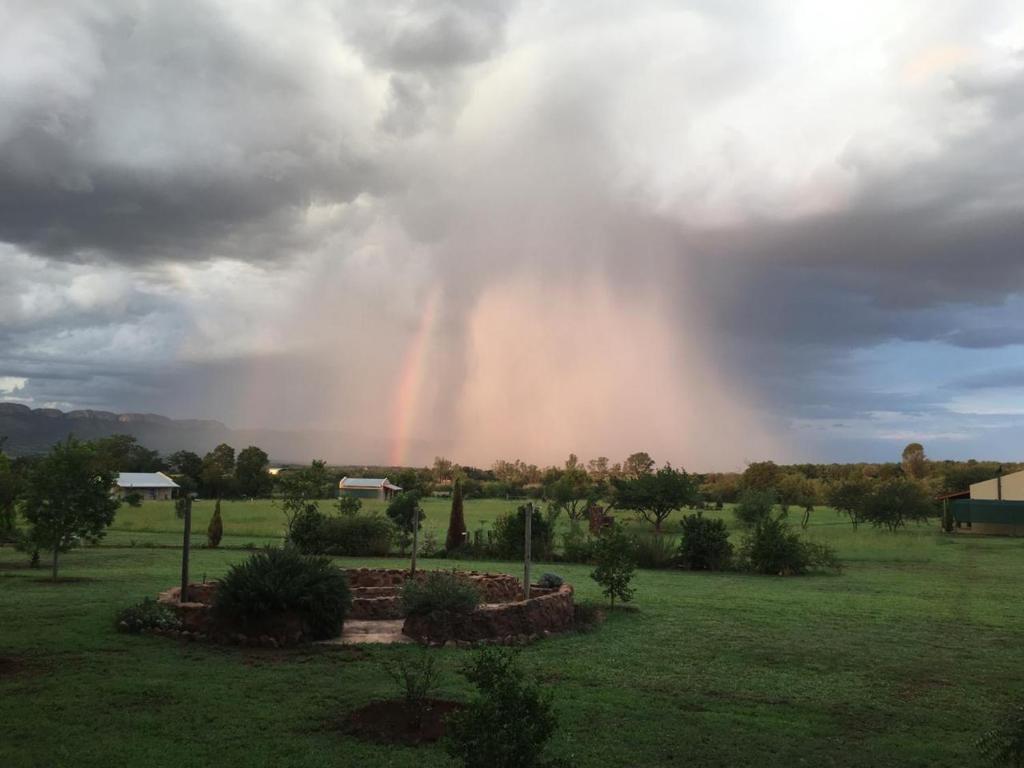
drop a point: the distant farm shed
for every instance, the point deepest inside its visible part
(368, 488)
(149, 485)
(995, 506)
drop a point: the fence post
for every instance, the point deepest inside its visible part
(186, 544)
(528, 511)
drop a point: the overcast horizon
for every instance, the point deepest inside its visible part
(718, 232)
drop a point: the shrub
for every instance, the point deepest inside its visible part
(1004, 744)
(657, 551)
(275, 584)
(895, 502)
(510, 532)
(442, 592)
(615, 555)
(550, 581)
(509, 721)
(215, 531)
(356, 536)
(416, 677)
(147, 615)
(755, 505)
(705, 544)
(772, 548)
(577, 546)
(349, 505)
(351, 535)
(305, 531)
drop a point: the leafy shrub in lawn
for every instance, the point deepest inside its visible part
(656, 551)
(508, 722)
(705, 544)
(772, 548)
(615, 555)
(350, 534)
(550, 581)
(145, 616)
(416, 676)
(510, 533)
(754, 506)
(1003, 745)
(276, 584)
(440, 592)
(577, 546)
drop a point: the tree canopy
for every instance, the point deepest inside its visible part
(653, 497)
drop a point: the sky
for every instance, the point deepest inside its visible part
(717, 231)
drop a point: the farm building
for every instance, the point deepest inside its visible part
(149, 485)
(368, 488)
(995, 506)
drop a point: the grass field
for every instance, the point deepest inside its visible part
(900, 661)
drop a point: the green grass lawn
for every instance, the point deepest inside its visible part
(900, 661)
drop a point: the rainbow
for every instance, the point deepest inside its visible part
(410, 381)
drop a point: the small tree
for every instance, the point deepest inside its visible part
(573, 492)
(405, 511)
(67, 498)
(847, 497)
(795, 490)
(615, 556)
(349, 505)
(754, 506)
(894, 503)
(10, 488)
(301, 491)
(508, 723)
(457, 520)
(653, 497)
(215, 531)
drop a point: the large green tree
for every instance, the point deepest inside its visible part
(655, 496)
(637, 465)
(123, 453)
(914, 462)
(572, 492)
(68, 498)
(187, 466)
(218, 474)
(251, 475)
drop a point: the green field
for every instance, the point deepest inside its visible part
(900, 661)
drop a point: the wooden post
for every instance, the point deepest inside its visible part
(528, 510)
(415, 539)
(186, 543)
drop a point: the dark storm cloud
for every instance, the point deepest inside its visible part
(1008, 378)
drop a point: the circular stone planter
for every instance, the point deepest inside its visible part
(503, 616)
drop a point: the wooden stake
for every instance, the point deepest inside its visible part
(185, 547)
(526, 551)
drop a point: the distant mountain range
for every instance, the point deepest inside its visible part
(34, 430)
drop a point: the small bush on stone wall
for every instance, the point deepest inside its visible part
(145, 616)
(705, 544)
(508, 723)
(441, 592)
(550, 581)
(276, 584)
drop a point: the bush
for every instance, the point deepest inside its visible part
(508, 723)
(416, 677)
(147, 615)
(657, 551)
(615, 555)
(772, 548)
(510, 533)
(705, 544)
(442, 592)
(577, 547)
(755, 506)
(550, 581)
(274, 585)
(350, 535)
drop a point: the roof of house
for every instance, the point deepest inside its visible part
(368, 483)
(144, 480)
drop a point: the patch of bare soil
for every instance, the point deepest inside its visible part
(392, 722)
(11, 666)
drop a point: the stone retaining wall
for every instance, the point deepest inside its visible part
(547, 611)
